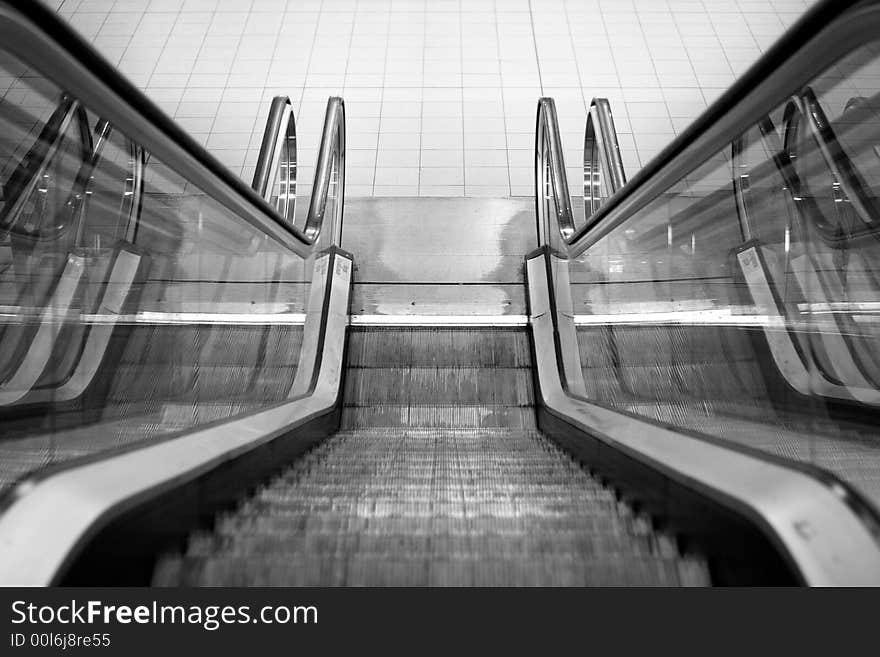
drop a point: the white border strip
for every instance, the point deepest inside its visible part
(149, 317)
(152, 317)
(439, 320)
(714, 317)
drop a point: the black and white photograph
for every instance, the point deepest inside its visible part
(397, 295)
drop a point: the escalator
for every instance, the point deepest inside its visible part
(738, 303)
(239, 389)
(438, 475)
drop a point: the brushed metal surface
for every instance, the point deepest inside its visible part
(439, 240)
(437, 477)
(438, 256)
(438, 300)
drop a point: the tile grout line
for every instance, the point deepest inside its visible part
(240, 168)
(656, 75)
(721, 50)
(302, 97)
(159, 59)
(624, 109)
(577, 66)
(422, 103)
(347, 61)
(584, 105)
(461, 91)
(382, 98)
(501, 91)
(130, 39)
(535, 44)
(700, 86)
(746, 39)
(187, 86)
(263, 99)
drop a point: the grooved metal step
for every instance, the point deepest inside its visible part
(439, 476)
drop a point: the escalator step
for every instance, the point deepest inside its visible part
(451, 347)
(438, 476)
(320, 570)
(429, 507)
(439, 385)
(470, 416)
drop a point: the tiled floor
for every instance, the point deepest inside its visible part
(440, 94)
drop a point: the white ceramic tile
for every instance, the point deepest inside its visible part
(441, 158)
(446, 90)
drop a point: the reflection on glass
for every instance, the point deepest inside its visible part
(283, 194)
(744, 302)
(132, 304)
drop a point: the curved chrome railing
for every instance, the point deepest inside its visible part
(328, 190)
(603, 172)
(551, 184)
(275, 175)
(603, 166)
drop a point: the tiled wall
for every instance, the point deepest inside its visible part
(440, 94)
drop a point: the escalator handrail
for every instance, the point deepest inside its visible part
(600, 131)
(37, 36)
(752, 95)
(548, 153)
(331, 156)
(280, 127)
